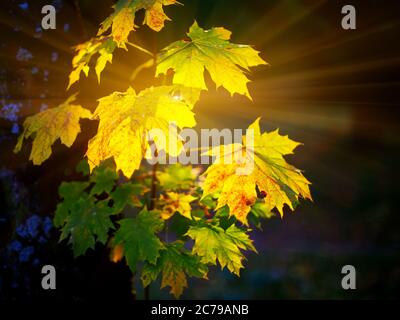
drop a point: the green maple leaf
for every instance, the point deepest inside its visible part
(139, 239)
(260, 210)
(175, 264)
(104, 179)
(125, 194)
(83, 167)
(176, 176)
(211, 50)
(70, 192)
(82, 221)
(213, 243)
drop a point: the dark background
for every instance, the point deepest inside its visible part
(335, 90)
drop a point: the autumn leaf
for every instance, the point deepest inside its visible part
(211, 50)
(102, 47)
(281, 182)
(117, 253)
(138, 238)
(212, 244)
(123, 24)
(47, 126)
(175, 264)
(124, 135)
(176, 202)
(122, 20)
(155, 16)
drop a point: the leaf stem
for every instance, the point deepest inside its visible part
(140, 48)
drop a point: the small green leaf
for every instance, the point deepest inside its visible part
(83, 167)
(104, 179)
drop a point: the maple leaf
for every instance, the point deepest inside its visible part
(69, 191)
(212, 244)
(176, 202)
(174, 263)
(123, 24)
(46, 127)
(124, 135)
(127, 194)
(81, 219)
(103, 47)
(176, 176)
(281, 182)
(139, 239)
(211, 50)
(122, 20)
(155, 16)
(104, 179)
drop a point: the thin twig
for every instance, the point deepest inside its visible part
(140, 48)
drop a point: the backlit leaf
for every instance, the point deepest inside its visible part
(266, 169)
(121, 21)
(212, 244)
(47, 126)
(211, 50)
(176, 176)
(176, 202)
(124, 135)
(101, 47)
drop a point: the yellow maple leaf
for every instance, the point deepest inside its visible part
(123, 24)
(47, 126)
(281, 182)
(211, 50)
(101, 46)
(155, 16)
(176, 202)
(121, 21)
(127, 119)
